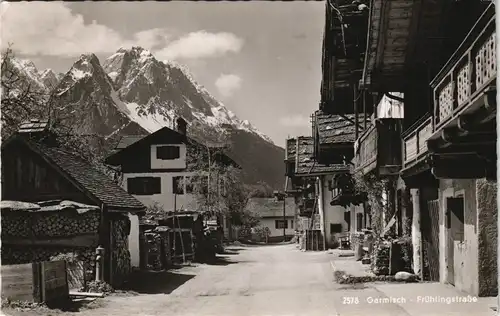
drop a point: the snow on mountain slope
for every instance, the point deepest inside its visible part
(28, 70)
(86, 99)
(167, 89)
(132, 93)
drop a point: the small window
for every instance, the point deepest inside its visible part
(291, 223)
(280, 224)
(168, 152)
(144, 185)
(335, 228)
(177, 185)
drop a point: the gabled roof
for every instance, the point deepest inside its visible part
(306, 165)
(128, 144)
(270, 207)
(84, 176)
(128, 140)
(336, 129)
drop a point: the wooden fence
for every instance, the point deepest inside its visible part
(35, 282)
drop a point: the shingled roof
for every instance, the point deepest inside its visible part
(291, 146)
(128, 140)
(307, 165)
(335, 129)
(91, 180)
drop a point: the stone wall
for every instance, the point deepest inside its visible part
(487, 236)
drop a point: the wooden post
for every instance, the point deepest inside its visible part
(99, 263)
(416, 234)
(105, 242)
(355, 104)
(364, 109)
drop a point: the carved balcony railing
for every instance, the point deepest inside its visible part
(379, 148)
(415, 141)
(468, 73)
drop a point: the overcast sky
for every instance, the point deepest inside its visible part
(261, 59)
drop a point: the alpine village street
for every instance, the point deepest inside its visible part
(267, 281)
(127, 188)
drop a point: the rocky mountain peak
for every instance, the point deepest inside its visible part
(133, 93)
(49, 78)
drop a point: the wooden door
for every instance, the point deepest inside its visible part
(455, 229)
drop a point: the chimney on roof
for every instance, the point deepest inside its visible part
(181, 126)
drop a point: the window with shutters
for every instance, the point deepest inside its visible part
(280, 224)
(144, 185)
(168, 152)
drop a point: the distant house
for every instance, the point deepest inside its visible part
(155, 166)
(35, 169)
(270, 211)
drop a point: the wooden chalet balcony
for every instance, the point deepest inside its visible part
(415, 141)
(379, 148)
(470, 72)
(463, 145)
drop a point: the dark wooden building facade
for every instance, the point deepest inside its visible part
(36, 169)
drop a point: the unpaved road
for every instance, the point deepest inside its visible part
(250, 281)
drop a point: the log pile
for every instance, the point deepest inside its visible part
(63, 223)
(121, 254)
(19, 255)
(16, 224)
(381, 258)
(357, 238)
(406, 254)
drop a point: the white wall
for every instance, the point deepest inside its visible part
(466, 257)
(179, 163)
(270, 223)
(333, 214)
(166, 198)
(357, 209)
(133, 240)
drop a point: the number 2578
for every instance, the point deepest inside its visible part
(350, 300)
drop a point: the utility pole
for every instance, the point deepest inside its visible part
(284, 217)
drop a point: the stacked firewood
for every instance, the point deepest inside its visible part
(19, 255)
(121, 255)
(357, 238)
(48, 224)
(66, 224)
(381, 257)
(16, 224)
